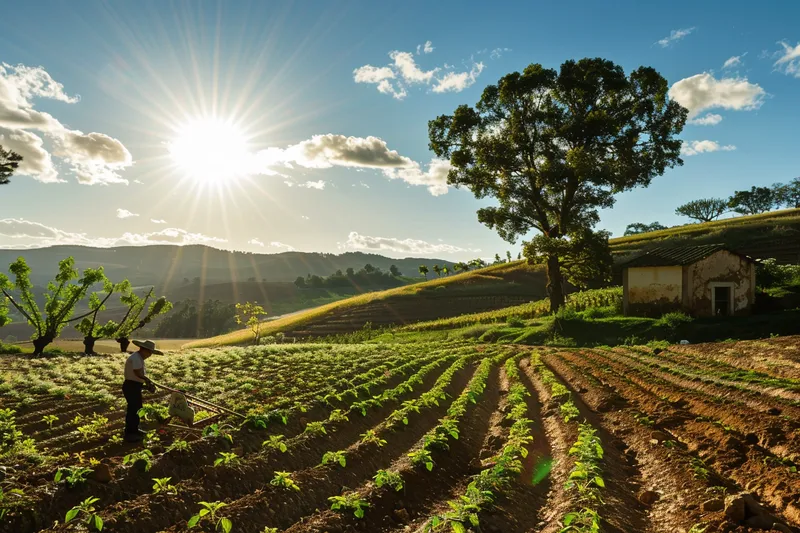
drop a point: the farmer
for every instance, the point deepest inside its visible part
(135, 381)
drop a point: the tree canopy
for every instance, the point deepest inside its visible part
(554, 147)
(703, 210)
(9, 162)
(756, 200)
(788, 194)
(639, 227)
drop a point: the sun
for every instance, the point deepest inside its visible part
(210, 151)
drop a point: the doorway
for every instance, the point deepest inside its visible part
(722, 299)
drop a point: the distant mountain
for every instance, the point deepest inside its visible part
(168, 266)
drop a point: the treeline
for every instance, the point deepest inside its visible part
(755, 201)
(190, 319)
(62, 296)
(350, 278)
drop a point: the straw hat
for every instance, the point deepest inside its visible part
(148, 345)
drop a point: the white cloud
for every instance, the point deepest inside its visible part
(435, 178)
(138, 182)
(319, 185)
(255, 242)
(124, 213)
(20, 233)
(93, 157)
(370, 74)
(703, 91)
(733, 61)
(674, 35)
(158, 221)
(278, 244)
(393, 79)
(710, 119)
(304, 217)
(458, 81)
(789, 61)
(497, 52)
(356, 241)
(699, 147)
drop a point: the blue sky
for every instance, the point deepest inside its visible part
(326, 163)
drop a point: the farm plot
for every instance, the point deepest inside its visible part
(413, 437)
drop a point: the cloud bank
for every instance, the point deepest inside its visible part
(703, 91)
(356, 241)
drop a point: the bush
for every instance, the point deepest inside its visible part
(567, 314)
(515, 322)
(673, 320)
(9, 348)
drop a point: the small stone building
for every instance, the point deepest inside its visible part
(707, 280)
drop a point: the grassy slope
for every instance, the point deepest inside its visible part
(492, 279)
(774, 234)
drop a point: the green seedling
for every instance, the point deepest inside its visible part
(227, 458)
(142, 460)
(180, 446)
(162, 485)
(422, 457)
(390, 479)
(284, 480)
(50, 420)
(209, 511)
(315, 428)
(335, 457)
(337, 415)
(371, 437)
(349, 502)
(73, 476)
(276, 443)
(86, 508)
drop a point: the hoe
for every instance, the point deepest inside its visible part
(180, 406)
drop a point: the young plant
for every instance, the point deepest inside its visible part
(50, 420)
(142, 460)
(315, 428)
(349, 502)
(284, 479)
(115, 439)
(209, 511)
(256, 421)
(218, 432)
(422, 457)
(154, 413)
(73, 476)
(86, 508)
(371, 437)
(180, 446)
(250, 314)
(338, 416)
(390, 479)
(227, 458)
(162, 485)
(276, 443)
(335, 457)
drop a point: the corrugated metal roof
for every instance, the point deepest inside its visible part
(684, 255)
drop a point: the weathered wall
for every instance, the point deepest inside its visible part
(721, 266)
(652, 291)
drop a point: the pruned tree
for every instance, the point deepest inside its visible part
(92, 330)
(477, 263)
(552, 148)
(446, 270)
(703, 210)
(9, 162)
(4, 318)
(788, 194)
(249, 314)
(133, 320)
(508, 256)
(63, 294)
(423, 269)
(756, 200)
(638, 227)
(438, 270)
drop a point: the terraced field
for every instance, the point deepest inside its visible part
(416, 437)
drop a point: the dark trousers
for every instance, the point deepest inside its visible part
(133, 395)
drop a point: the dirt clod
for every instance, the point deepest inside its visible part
(735, 508)
(713, 505)
(102, 473)
(401, 515)
(649, 497)
(659, 436)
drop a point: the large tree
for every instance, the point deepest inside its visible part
(9, 162)
(552, 148)
(61, 298)
(639, 227)
(90, 327)
(756, 200)
(133, 320)
(703, 210)
(788, 194)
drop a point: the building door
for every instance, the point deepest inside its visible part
(722, 300)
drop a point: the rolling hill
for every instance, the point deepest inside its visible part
(485, 289)
(769, 235)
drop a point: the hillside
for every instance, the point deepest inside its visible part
(775, 234)
(169, 267)
(486, 289)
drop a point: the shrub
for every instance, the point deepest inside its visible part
(674, 320)
(515, 322)
(600, 312)
(9, 348)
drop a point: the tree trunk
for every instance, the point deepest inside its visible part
(39, 344)
(123, 344)
(555, 286)
(88, 344)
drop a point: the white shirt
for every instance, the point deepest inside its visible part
(135, 361)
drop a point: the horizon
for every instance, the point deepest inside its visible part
(269, 128)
